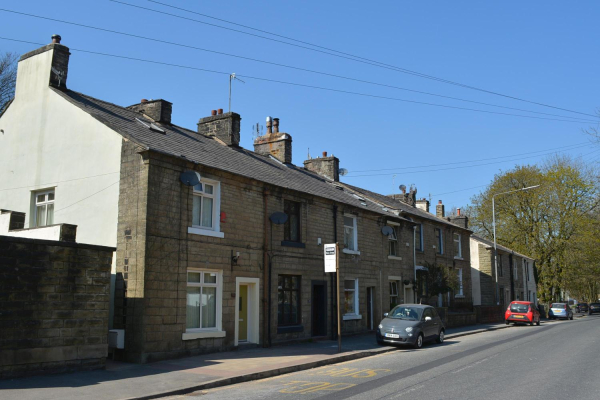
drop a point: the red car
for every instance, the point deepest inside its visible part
(522, 311)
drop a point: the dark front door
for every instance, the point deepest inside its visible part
(319, 308)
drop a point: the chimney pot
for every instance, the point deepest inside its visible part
(324, 154)
(269, 125)
(458, 212)
(220, 111)
(275, 125)
(144, 101)
(56, 39)
(213, 112)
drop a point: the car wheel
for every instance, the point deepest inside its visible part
(571, 317)
(419, 342)
(440, 338)
(531, 323)
(380, 342)
(538, 322)
(507, 322)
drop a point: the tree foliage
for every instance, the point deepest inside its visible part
(548, 223)
(8, 77)
(436, 279)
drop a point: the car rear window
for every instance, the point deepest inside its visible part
(595, 304)
(558, 305)
(519, 308)
(583, 304)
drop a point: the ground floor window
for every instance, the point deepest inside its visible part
(351, 296)
(203, 305)
(393, 294)
(288, 301)
(459, 290)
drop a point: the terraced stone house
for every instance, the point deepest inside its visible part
(205, 261)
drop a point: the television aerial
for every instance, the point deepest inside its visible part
(402, 188)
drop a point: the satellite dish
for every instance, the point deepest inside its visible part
(189, 178)
(278, 218)
(343, 171)
(402, 187)
(387, 230)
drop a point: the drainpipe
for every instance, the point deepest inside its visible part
(333, 280)
(512, 281)
(266, 270)
(414, 260)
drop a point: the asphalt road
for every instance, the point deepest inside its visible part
(557, 360)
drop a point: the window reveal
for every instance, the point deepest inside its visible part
(288, 302)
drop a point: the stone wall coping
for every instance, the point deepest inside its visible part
(57, 243)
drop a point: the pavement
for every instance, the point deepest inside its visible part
(186, 375)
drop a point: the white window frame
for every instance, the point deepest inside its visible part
(355, 314)
(394, 237)
(217, 331)
(397, 295)
(215, 231)
(516, 272)
(459, 241)
(35, 195)
(460, 291)
(355, 231)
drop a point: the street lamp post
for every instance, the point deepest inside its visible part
(494, 230)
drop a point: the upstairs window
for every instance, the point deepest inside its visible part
(459, 275)
(500, 273)
(44, 208)
(350, 237)
(393, 241)
(206, 209)
(439, 240)
(292, 225)
(419, 237)
(457, 246)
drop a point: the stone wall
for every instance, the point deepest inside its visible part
(54, 300)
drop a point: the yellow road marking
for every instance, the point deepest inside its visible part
(304, 387)
(350, 372)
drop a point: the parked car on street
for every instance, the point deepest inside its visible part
(411, 324)
(560, 310)
(582, 308)
(594, 308)
(522, 312)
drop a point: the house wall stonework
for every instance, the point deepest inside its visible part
(155, 250)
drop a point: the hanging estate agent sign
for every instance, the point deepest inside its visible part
(330, 255)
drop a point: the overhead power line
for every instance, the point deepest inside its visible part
(309, 86)
(461, 167)
(562, 148)
(575, 119)
(346, 55)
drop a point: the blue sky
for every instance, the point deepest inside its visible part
(543, 51)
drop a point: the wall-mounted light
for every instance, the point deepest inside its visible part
(235, 259)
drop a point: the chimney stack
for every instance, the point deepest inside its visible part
(440, 210)
(223, 126)
(423, 204)
(329, 167)
(275, 143)
(460, 220)
(159, 110)
(36, 66)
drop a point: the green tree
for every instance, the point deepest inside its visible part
(544, 223)
(8, 77)
(434, 280)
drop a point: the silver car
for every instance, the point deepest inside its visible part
(411, 324)
(560, 310)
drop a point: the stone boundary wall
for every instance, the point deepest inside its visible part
(489, 314)
(54, 301)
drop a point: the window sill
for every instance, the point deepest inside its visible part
(394, 258)
(205, 232)
(459, 296)
(351, 252)
(458, 258)
(202, 335)
(349, 317)
(297, 245)
(290, 329)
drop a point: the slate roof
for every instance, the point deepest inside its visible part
(187, 144)
(401, 206)
(490, 244)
